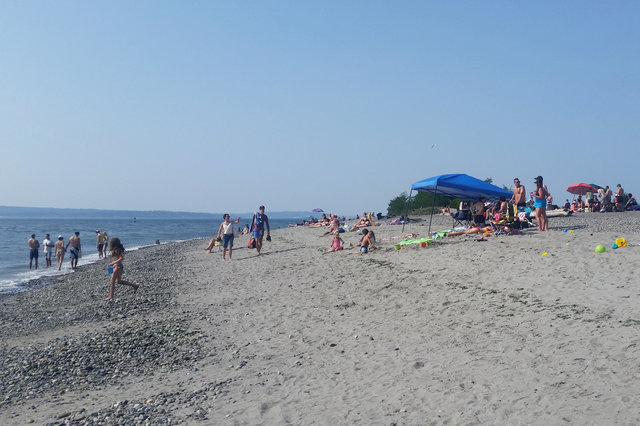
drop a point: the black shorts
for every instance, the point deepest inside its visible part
(100, 247)
(33, 254)
(478, 219)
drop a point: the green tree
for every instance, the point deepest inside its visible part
(398, 205)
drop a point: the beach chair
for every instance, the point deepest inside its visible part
(461, 218)
(506, 223)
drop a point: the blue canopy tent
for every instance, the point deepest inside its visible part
(458, 186)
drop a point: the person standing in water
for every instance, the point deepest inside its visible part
(47, 247)
(226, 230)
(59, 245)
(74, 252)
(99, 243)
(34, 252)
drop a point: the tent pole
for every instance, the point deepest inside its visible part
(432, 206)
(406, 211)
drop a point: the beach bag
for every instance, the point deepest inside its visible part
(252, 243)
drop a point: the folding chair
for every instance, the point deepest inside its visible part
(461, 218)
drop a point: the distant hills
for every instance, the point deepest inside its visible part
(50, 213)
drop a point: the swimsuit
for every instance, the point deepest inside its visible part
(33, 254)
(336, 243)
(364, 249)
(74, 252)
(540, 203)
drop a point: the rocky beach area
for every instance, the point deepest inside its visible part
(535, 328)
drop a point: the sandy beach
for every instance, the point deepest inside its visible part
(459, 332)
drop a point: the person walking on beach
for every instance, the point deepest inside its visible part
(34, 251)
(226, 230)
(74, 252)
(519, 197)
(47, 249)
(540, 203)
(257, 225)
(117, 257)
(99, 244)
(59, 245)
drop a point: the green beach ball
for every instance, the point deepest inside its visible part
(600, 249)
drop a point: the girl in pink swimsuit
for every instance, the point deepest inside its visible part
(336, 242)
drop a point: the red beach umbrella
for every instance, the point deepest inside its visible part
(581, 188)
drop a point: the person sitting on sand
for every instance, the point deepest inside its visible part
(632, 203)
(334, 225)
(336, 243)
(245, 230)
(567, 205)
(117, 257)
(365, 220)
(367, 241)
(446, 210)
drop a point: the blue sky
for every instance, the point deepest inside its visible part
(221, 106)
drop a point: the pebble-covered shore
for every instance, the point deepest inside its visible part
(62, 337)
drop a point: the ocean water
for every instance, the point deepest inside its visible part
(14, 233)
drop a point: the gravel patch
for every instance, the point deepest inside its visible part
(95, 360)
(166, 408)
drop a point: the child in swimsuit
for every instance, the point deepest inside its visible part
(117, 256)
(336, 242)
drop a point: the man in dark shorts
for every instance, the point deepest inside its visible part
(478, 211)
(99, 243)
(257, 226)
(34, 251)
(74, 253)
(519, 197)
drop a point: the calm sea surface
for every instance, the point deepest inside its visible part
(14, 233)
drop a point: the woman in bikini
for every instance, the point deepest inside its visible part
(117, 257)
(59, 247)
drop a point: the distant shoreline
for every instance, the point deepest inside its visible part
(16, 212)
